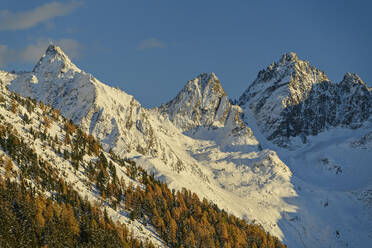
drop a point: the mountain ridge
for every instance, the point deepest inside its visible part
(200, 140)
(181, 158)
(59, 187)
(291, 98)
(89, 102)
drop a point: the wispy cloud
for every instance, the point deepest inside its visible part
(150, 43)
(30, 18)
(33, 52)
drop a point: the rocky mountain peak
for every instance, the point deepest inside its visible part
(352, 80)
(202, 102)
(109, 114)
(289, 57)
(205, 79)
(202, 109)
(290, 79)
(54, 61)
(54, 50)
(291, 69)
(292, 98)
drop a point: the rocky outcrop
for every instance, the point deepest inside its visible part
(202, 102)
(291, 98)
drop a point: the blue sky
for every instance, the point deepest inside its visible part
(151, 48)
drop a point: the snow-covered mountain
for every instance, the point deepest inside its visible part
(229, 154)
(322, 132)
(203, 104)
(111, 115)
(292, 98)
(42, 130)
(205, 156)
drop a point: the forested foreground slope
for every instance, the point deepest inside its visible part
(59, 188)
(292, 154)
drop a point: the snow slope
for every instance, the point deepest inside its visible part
(200, 141)
(62, 167)
(322, 132)
(216, 156)
(332, 177)
(111, 115)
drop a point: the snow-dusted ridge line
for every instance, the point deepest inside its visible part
(292, 98)
(183, 159)
(111, 115)
(199, 141)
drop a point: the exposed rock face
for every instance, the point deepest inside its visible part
(204, 103)
(291, 98)
(356, 101)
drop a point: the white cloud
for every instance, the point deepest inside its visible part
(30, 18)
(33, 52)
(150, 43)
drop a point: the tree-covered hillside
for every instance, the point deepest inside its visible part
(59, 188)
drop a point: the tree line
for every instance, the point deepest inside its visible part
(65, 220)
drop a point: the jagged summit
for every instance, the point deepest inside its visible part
(204, 79)
(352, 79)
(54, 60)
(292, 98)
(203, 105)
(352, 76)
(291, 68)
(53, 49)
(287, 81)
(289, 57)
(55, 80)
(202, 102)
